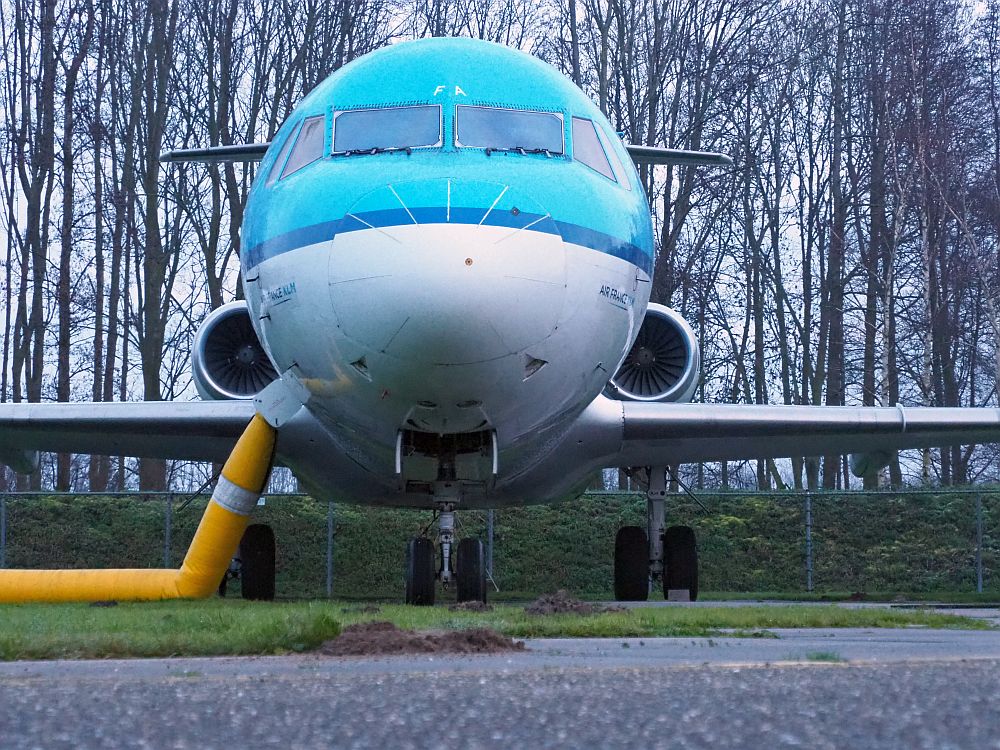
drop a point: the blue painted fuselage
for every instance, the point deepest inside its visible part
(311, 204)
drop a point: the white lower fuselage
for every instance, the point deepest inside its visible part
(400, 334)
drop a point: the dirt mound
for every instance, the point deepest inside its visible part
(474, 606)
(560, 603)
(384, 638)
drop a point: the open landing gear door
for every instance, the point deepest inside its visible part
(468, 459)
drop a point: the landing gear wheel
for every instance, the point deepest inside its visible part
(680, 559)
(470, 569)
(631, 564)
(420, 576)
(257, 562)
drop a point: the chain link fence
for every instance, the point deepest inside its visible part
(916, 541)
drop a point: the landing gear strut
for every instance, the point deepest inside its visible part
(464, 565)
(656, 520)
(446, 536)
(669, 555)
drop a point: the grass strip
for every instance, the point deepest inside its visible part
(232, 627)
(660, 621)
(897, 597)
(203, 628)
(826, 656)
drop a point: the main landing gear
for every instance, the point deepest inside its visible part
(464, 565)
(254, 564)
(669, 554)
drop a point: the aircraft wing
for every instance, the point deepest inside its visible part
(194, 430)
(658, 433)
(238, 152)
(245, 152)
(657, 155)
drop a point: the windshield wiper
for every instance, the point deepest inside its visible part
(373, 150)
(521, 150)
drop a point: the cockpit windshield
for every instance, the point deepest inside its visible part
(386, 129)
(498, 129)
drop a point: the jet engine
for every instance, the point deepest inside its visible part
(228, 360)
(663, 363)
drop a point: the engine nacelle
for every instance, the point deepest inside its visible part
(663, 363)
(228, 361)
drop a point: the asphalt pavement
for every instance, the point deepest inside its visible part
(837, 688)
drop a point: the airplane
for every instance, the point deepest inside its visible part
(447, 256)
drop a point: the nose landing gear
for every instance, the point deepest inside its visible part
(466, 568)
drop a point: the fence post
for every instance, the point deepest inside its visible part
(489, 543)
(168, 522)
(979, 542)
(329, 549)
(3, 530)
(809, 542)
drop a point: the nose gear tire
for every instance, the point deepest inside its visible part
(680, 558)
(471, 571)
(257, 555)
(420, 576)
(631, 564)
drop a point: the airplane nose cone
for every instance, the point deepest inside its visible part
(446, 272)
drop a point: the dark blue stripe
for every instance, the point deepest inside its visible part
(606, 244)
(283, 243)
(327, 230)
(394, 217)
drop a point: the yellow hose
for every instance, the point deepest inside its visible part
(214, 544)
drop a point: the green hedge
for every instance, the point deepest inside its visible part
(913, 543)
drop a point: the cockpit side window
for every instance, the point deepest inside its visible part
(387, 128)
(272, 177)
(587, 147)
(508, 129)
(616, 163)
(308, 145)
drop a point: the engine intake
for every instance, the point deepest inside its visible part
(662, 364)
(228, 361)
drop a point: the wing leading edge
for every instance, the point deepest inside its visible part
(657, 155)
(685, 433)
(195, 431)
(242, 152)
